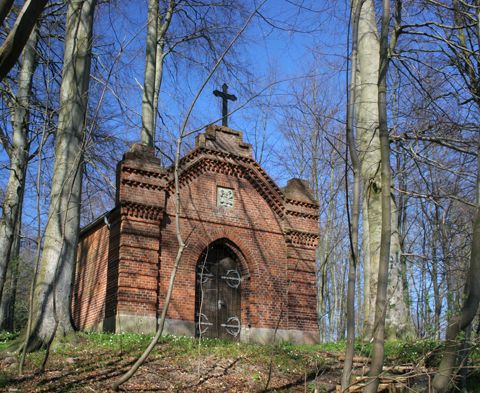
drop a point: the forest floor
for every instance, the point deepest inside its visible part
(181, 364)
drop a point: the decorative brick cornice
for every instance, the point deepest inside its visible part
(301, 203)
(203, 160)
(207, 164)
(137, 210)
(295, 213)
(144, 173)
(139, 184)
(300, 238)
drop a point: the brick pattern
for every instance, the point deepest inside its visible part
(139, 265)
(273, 237)
(94, 294)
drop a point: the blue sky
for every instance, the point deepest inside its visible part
(305, 41)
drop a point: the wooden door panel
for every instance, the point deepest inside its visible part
(229, 300)
(218, 296)
(206, 316)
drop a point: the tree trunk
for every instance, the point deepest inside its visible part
(323, 255)
(460, 323)
(18, 159)
(367, 118)
(51, 309)
(434, 275)
(7, 304)
(5, 6)
(386, 211)
(353, 225)
(402, 231)
(162, 29)
(398, 321)
(148, 99)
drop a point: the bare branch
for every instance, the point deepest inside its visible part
(18, 36)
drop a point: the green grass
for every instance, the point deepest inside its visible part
(6, 339)
(396, 351)
(123, 341)
(286, 357)
(405, 352)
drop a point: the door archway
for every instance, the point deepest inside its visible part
(218, 294)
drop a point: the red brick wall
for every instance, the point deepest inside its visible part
(138, 268)
(96, 275)
(91, 278)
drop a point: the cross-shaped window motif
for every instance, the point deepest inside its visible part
(224, 197)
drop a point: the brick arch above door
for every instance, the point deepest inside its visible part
(237, 246)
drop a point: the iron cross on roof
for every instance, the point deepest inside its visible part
(225, 97)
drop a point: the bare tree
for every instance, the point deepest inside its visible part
(448, 79)
(355, 10)
(367, 121)
(18, 152)
(148, 109)
(182, 35)
(460, 323)
(51, 309)
(386, 228)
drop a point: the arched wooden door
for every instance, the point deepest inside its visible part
(217, 300)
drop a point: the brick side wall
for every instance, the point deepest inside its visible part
(96, 276)
(91, 279)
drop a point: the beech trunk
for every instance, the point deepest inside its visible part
(148, 98)
(18, 153)
(367, 122)
(51, 308)
(381, 303)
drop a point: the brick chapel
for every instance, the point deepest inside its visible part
(247, 272)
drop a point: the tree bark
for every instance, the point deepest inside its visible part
(386, 228)
(17, 38)
(460, 323)
(148, 98)
(7, 303)
(162, 29)
(434, 274)
(353, 227)
(367, 120)
(367, 125)
(18, 153)
(51, 308)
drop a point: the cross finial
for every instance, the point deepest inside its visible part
(225, 97)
